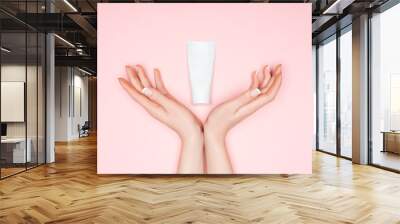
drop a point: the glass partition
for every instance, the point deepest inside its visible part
(14, 153)
(22, 101)
(31, 99)
(41, 97)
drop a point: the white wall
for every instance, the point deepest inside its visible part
(71, 102)
(62, 82)
(81, 103)
(12, 101)
(17, 73)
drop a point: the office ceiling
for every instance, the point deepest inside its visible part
(76, 21)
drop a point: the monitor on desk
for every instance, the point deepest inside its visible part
(3, 130)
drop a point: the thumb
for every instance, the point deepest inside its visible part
(250, 94)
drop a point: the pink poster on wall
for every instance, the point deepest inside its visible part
(204, 88)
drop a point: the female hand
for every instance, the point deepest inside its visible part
(160, 104)
(263, 89)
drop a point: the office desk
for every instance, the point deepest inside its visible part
(15, 148)
(391, 141)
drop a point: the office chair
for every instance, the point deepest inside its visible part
(84, 130)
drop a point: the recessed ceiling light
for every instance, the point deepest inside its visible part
(5, 50)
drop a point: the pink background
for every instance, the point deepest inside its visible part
(276, 139)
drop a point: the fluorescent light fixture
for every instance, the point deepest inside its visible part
(331, 7)
(5, 50)
(65, 41)
(80, 51)
(70, 5)
(84, 71)
(337, 7)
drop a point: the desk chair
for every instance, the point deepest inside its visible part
(84, 130)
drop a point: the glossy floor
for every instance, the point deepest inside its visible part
(386, 159)
(70, 191)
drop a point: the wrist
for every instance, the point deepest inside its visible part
(213, 136)
(193, 135)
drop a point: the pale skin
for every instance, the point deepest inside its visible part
(203, 145)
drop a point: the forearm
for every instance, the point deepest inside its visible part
(191, 159)
(217, 157)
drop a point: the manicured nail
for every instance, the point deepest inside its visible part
(279, 68)
(121, 80)
(276, 69)
(255, 92)
(147, 91)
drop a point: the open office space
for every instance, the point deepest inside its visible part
(52, 159)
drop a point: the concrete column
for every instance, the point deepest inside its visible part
(360, 90)
(63, 100)
(50, 92)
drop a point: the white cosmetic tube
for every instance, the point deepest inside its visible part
(201, 55)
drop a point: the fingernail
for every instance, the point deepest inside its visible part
(255, 92)
(279, 67)
(146, 91)
(120, 80)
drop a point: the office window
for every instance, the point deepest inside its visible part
(346, 92)
(327, 95)
(385, 88)
(314, 62)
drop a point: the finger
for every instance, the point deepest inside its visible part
(267, 76)
(260, 75)
(275, 73)
(277, 70)
(133, 78)
(138, 97)
(159, 82)
(143, 77)
(262, 99)
(254, 80)
(157, 97)
(249, 95)
(272, 92)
